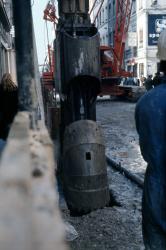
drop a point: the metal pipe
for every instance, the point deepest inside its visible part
(127, 173)
(24, 53)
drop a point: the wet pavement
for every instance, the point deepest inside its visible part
(121, 138)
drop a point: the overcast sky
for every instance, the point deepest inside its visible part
(40, 29)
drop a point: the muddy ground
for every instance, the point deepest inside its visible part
(117, 227)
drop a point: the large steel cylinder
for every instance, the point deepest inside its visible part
(85, 174)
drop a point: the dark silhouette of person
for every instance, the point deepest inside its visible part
(149, 83)
(150, 116)
(156, 79)
(8, 104)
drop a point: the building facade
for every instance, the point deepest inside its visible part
(131, 50)
(148, 18)
(111, 21)
(101, 20)
(7, 55)
(151, 20)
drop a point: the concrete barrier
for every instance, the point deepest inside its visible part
(29, 213)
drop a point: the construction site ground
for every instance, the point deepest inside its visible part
(117, 227)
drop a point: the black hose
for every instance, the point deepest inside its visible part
(124, 171)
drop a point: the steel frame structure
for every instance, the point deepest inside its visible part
(123, 13)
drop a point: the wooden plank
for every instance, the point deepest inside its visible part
(29, 212)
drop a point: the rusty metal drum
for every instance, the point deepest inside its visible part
(84, 167)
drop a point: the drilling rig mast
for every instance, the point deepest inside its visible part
(77, 74)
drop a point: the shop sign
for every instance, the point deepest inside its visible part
(156, 23)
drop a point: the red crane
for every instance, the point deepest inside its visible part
(48, 84)
(50, 15)
(112, 57)
(50, 12)
(123, 13)
(112, 70)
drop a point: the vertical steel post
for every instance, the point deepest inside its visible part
(84, 172)
(24, 53)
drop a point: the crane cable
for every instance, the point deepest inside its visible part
(47, 33)
(101, 4)
(49, 55)
(94, 3)
(46, 55)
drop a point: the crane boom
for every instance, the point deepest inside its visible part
(114, 67)
(123, 13)
(50, 12)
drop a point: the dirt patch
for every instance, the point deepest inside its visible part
(114, 228)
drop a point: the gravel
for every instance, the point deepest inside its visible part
(121, 138)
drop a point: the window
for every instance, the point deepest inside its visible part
(134, 7)
(141, 38)
(103, 16)
(141, 69)
(106, 14)
(109, 11)
(154, 2)
(113, 7)
(135, 51)
(110, 38)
